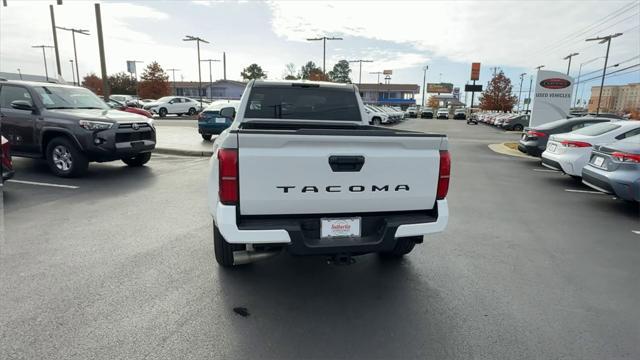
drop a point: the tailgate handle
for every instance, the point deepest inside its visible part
(346, 163)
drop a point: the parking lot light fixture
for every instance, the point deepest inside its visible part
(568, 57)
(360, 73)
(424, 81)
(198, 41)
(44, 56)
(575, 102)
(173, 77)
(73, 74)
(377, 73)
(324, 49)
(520, 91)
(75, 53)
(602, 40)
(210, 76)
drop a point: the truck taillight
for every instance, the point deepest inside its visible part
(443, 177)
(228, 176)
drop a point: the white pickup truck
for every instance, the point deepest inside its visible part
(300, 169)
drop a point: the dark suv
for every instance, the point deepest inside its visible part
(70, 126)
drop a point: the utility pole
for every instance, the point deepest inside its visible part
(44, 56)
(360, 61)
(520, 92)
(377, 73)
(19, 73)
(198, 41)
(210, 76)
(73, 74)
(173, 77)
(575, 102)
(55, 38)
(75, 53)
(424, 81)
(529, 96)
(324, 49)
(539, 67)
(224, 65)
(604, 39)
(568, 57)
(103, 63)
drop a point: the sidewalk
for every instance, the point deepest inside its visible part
(181, 140)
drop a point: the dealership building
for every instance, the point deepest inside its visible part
(616, 98)
(402, 95)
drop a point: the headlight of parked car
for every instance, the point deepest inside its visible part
(94, 125)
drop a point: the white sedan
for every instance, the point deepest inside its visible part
(570, 152)
(376, 116)
(178, 105)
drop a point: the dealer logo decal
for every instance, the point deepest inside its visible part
(555, 83)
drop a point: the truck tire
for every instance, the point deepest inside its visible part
(403, 247)
(138, 160)
(65, 159)
(223, 250)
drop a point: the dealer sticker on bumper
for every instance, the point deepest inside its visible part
(344, 227)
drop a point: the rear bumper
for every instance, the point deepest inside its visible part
(211, 128)
(302, 233)
(569, 163)
(626, 186)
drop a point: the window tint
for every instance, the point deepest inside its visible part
(632, 139)
(186, 100)
(10, 93)
(597, 129)
(302, 103)
(578, 126)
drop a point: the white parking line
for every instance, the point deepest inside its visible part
(546, 170)
(44, 184)
(585, 191)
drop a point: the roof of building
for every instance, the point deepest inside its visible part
(389, 87)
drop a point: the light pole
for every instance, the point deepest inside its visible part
(198, 41)
(44, 56)
(604, 39)
(173, 73)
(520, 92)
(568, 57)
(424, 81)
(360, 61)
(20, 73)
(324, 49)
(210, 76)
(73, 74)
(575, 102)
(377, 73)
(75, 53)
(529, 96)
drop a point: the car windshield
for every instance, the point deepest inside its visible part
(302, 103)
(597, 129)
(62, 97)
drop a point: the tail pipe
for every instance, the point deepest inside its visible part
(249, 256)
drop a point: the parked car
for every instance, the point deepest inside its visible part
(122, 107)
(394, 116)
(516, 122)
(178, 105)
(412, 112)
(460, 114)
(534, 140)
(570, 152)
(122, 98)
(376, 116)
(426, 113)
(335, 186)
(7, 164)
(443, 113)
(615, 168)
(70, 126)
(210, 122)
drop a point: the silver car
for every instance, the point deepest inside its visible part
(615, 169)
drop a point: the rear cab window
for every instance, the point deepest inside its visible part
(302, 103)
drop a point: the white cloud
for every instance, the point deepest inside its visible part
(518, 33)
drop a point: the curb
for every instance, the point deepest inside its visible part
(505, 150)
(182, 152)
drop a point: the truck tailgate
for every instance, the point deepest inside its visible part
(317, 173)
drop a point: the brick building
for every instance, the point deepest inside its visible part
(616, 98)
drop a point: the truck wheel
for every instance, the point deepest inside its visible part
(138, 160)
(162, 112)
(403, 247)
(223, 250)
(192, 111)
(206, 137)
(65, 159)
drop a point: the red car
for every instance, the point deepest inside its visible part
(7, 165)
(120, 106)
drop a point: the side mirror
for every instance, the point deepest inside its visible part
(22, 105)
(228, 112)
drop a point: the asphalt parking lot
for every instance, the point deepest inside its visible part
(120, 265)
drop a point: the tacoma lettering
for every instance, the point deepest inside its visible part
(339, 188)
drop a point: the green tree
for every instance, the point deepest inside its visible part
(290, 72)
(253, 71)
(340, 72)
(122, 83)
(498, 95)
(93, 83)
(309, 69)
(154, 82)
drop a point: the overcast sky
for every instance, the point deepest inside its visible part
(400, 36)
